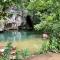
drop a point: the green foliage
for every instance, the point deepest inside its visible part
(7, 50)
(56, 28)
(25, 52)
(7, 53)
(44, 48)
(48, 18)
(18, 55)
(5, 4)
(53, 45)
(48, 12)
(39, 5)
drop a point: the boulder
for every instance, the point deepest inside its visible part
(45, 35)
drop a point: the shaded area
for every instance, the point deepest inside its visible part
(29, 22)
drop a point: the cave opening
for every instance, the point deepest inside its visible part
(29, 22)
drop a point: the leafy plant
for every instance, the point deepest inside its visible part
(43, 49)
(18, 55)
(53, 45)
(25, 52)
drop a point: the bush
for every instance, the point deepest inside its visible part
(53, 47)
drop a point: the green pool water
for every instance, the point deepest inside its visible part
(18, 36)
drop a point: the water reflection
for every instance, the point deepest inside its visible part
(15, 35)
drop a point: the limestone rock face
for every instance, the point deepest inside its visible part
(17, 19)
(1, 25)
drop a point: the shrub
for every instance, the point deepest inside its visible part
(53, 47)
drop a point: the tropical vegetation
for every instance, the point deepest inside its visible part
(46, 18)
